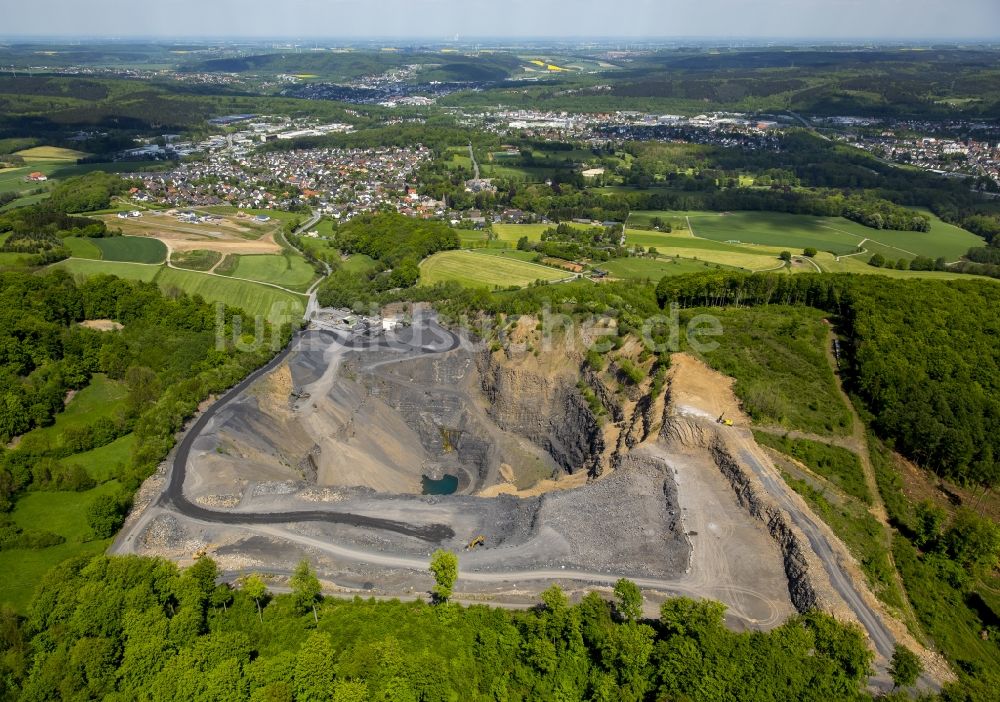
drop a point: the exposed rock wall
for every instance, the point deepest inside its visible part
(548, 410)
(690, 432)
(789, 540)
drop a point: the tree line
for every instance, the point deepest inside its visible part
(139, 628)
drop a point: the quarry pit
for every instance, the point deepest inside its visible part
(365, 453)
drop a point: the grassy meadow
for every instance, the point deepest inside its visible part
(476, 270)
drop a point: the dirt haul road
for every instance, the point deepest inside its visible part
(438, 340)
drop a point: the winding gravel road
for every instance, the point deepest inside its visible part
(427, 338)
(881, 637)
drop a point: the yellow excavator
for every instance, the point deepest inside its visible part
(723, 421)
(476, 542)
(202, 552)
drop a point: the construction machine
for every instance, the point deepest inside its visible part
(478, 541)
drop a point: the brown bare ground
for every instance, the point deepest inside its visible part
(225, 236)
(102, 324)
(919, 485)
(697, 389)
(569, 482)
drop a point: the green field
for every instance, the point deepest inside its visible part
(132, 271)
(474, 269)
(528, 256)
(50, 154)
(257, 300)
(942, 240)
(288, 270)
(102, 463)
(132, 249)
(859, 264)
(683, 244)
(82, 247)
(834, 234)
(101, 398)
(121, 249)
(198, 260)
(654, 269)
(471, 237)
(360, 264)
(10, 258)
(13, 178)
(21, 570)
(63, 513)
(513, 232)
(325, 227)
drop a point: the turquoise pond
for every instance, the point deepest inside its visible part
(445, 486)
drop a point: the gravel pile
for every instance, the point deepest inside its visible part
(629, 522)
(166, 532)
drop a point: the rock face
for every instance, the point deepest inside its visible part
(797, 568)
(686, 431)
(546, 409)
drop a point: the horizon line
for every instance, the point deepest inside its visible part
(762, 39)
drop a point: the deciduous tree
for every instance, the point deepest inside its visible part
(444, 566)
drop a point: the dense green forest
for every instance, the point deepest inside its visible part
(133, 628)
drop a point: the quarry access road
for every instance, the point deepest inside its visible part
(675, 586)
(173, 494)
(841, 581)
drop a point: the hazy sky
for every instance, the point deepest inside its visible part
(440, 19)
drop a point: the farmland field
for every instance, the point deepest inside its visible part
(681, 243)
(859, 264)
(834, 234)
(942, 240)
(288, 270)
(50, 154)
(508, 253)
(477, 270)
(654, 269)
(82, 247)
(513, 232)
(132, 271)
(197, 260)
(257, 300)
(132, 249)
